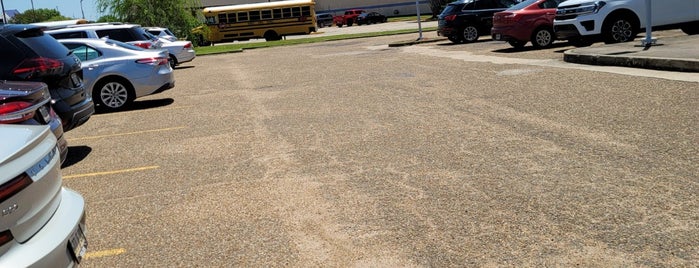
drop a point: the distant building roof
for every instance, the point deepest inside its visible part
(11, 12)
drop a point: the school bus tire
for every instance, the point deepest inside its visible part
(272, 36)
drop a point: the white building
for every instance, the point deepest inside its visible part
(385, 7)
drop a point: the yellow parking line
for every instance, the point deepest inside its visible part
(104, 253)
(109, 172)
(125, 134)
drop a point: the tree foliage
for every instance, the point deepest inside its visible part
(177, 15)
(38, 15)
(108, 18)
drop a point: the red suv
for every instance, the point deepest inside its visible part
(530, 20)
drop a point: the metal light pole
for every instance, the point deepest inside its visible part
(4, 18)
(419, 21)
(33, 11)
(81, 9)
(648, 42)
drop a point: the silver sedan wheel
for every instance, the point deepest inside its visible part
(114, 95)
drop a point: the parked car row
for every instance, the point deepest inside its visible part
(350, 17)
(47, 88)
(581, 22)
(123, 62)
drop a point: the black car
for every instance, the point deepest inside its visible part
(324, 20)
(463, 21)
(370, 17)
(29, 103)
(27, 54)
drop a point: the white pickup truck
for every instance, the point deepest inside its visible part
(585, 21)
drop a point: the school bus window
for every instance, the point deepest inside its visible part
(254, 15)
(306, 11)
(266, 14)
(277, 13)
(231, 18)
(211, 20)
(296, 11)
(286, 12)
(222, 18)
(242, 16)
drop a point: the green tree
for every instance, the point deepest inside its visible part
(437, 6)
(39, 15)
(108, 18)
(177, 15)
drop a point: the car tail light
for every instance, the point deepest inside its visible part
(8, 190)
(37, 67)
(153, 61)
(14, 186)
(145, 45)
(14, 112)
(450, 17)
(6, 237)
(188, 45)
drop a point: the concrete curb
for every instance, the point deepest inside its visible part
(415, 42)
(666, 64)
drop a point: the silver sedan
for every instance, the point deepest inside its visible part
(117, 73)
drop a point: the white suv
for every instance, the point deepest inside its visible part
(621, 20)
(128, 33)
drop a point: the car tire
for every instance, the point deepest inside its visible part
(349, 23)
(619, 28)
(113, 94)
(470, 34)
(517, 44)
(542, 37)
(172, 61)
(272, 36)
(691, 28)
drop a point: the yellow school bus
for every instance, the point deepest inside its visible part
(268, 20)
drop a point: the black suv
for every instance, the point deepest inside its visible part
(27, 54)
(463, 21)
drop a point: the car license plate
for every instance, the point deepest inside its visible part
(78, 244)
(44, 114)
(76, 80)
(498, 37)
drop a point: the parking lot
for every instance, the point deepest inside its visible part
(351, 153)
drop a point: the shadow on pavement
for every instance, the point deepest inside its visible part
(142, 105)
(529, 47)
(75, 155)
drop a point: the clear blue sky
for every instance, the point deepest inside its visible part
(68, 8)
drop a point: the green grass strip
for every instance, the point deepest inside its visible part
(237, 47)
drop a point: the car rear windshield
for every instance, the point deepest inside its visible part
(522, 5)
(453, 8)
(42, 44)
